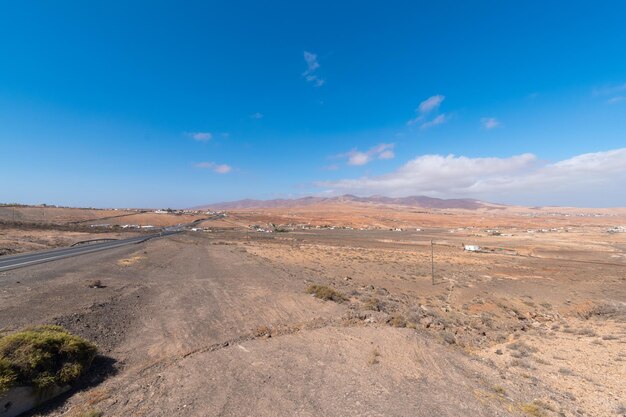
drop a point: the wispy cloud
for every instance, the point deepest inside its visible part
(439, 120)
(489, 123)
(311, 62)
(331, 167)
(431, 103)
(200, 136)
(312, 67)
(427, 106)
(512, 178)
(357, 158)
(256, 116)
(616, 91)
(609, 89)
(217, 168)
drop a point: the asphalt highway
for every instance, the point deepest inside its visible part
(32, 258)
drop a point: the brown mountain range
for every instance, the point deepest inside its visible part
(412, 201)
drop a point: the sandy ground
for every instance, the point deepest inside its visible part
(14, 240)
(87, 217)
(219, 323)
(389, 216)
(38, 214)
(24, 229)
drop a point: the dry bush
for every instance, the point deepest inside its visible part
(449, 338)
(397, 320)
(533, 409)
(427, 317)
(587, 332)
(325, 293)
(262, 331)
(373, 304)
(614, 311)
(521, 363)
(373, 358)
(499, 390)
(95, 284)
(565, 371)
(96, 396)
(521, 350)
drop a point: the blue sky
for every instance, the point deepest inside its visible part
(156, 104)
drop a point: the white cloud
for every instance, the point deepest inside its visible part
(359, 158)
(256, 116)
(489, 122)
(439, 120)
(312, 66)
(381, 151)
(616, 91)
(432, 103)
(200, 136)
(609, 90)
(331, 167)
(217, 168)
(588, 179)
(318, 82)
(311, 62)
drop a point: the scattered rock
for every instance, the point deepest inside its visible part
(449, 338)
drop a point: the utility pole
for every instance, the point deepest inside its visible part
(432, 261)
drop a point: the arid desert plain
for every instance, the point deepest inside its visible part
(339, 308)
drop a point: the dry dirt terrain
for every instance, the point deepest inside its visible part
(17, 239)
(220, 323)
(385, 216)
(62, 216)
(30, 228)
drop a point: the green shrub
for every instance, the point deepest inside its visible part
(43, 356)
(8, 377)
(325, 293)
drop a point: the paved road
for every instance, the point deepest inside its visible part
(32, 258)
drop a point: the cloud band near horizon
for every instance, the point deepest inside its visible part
(519, 179)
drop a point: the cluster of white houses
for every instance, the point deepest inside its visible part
(191, 212)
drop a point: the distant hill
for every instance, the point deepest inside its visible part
(412, 201)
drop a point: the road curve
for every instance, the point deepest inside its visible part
(32, 258)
